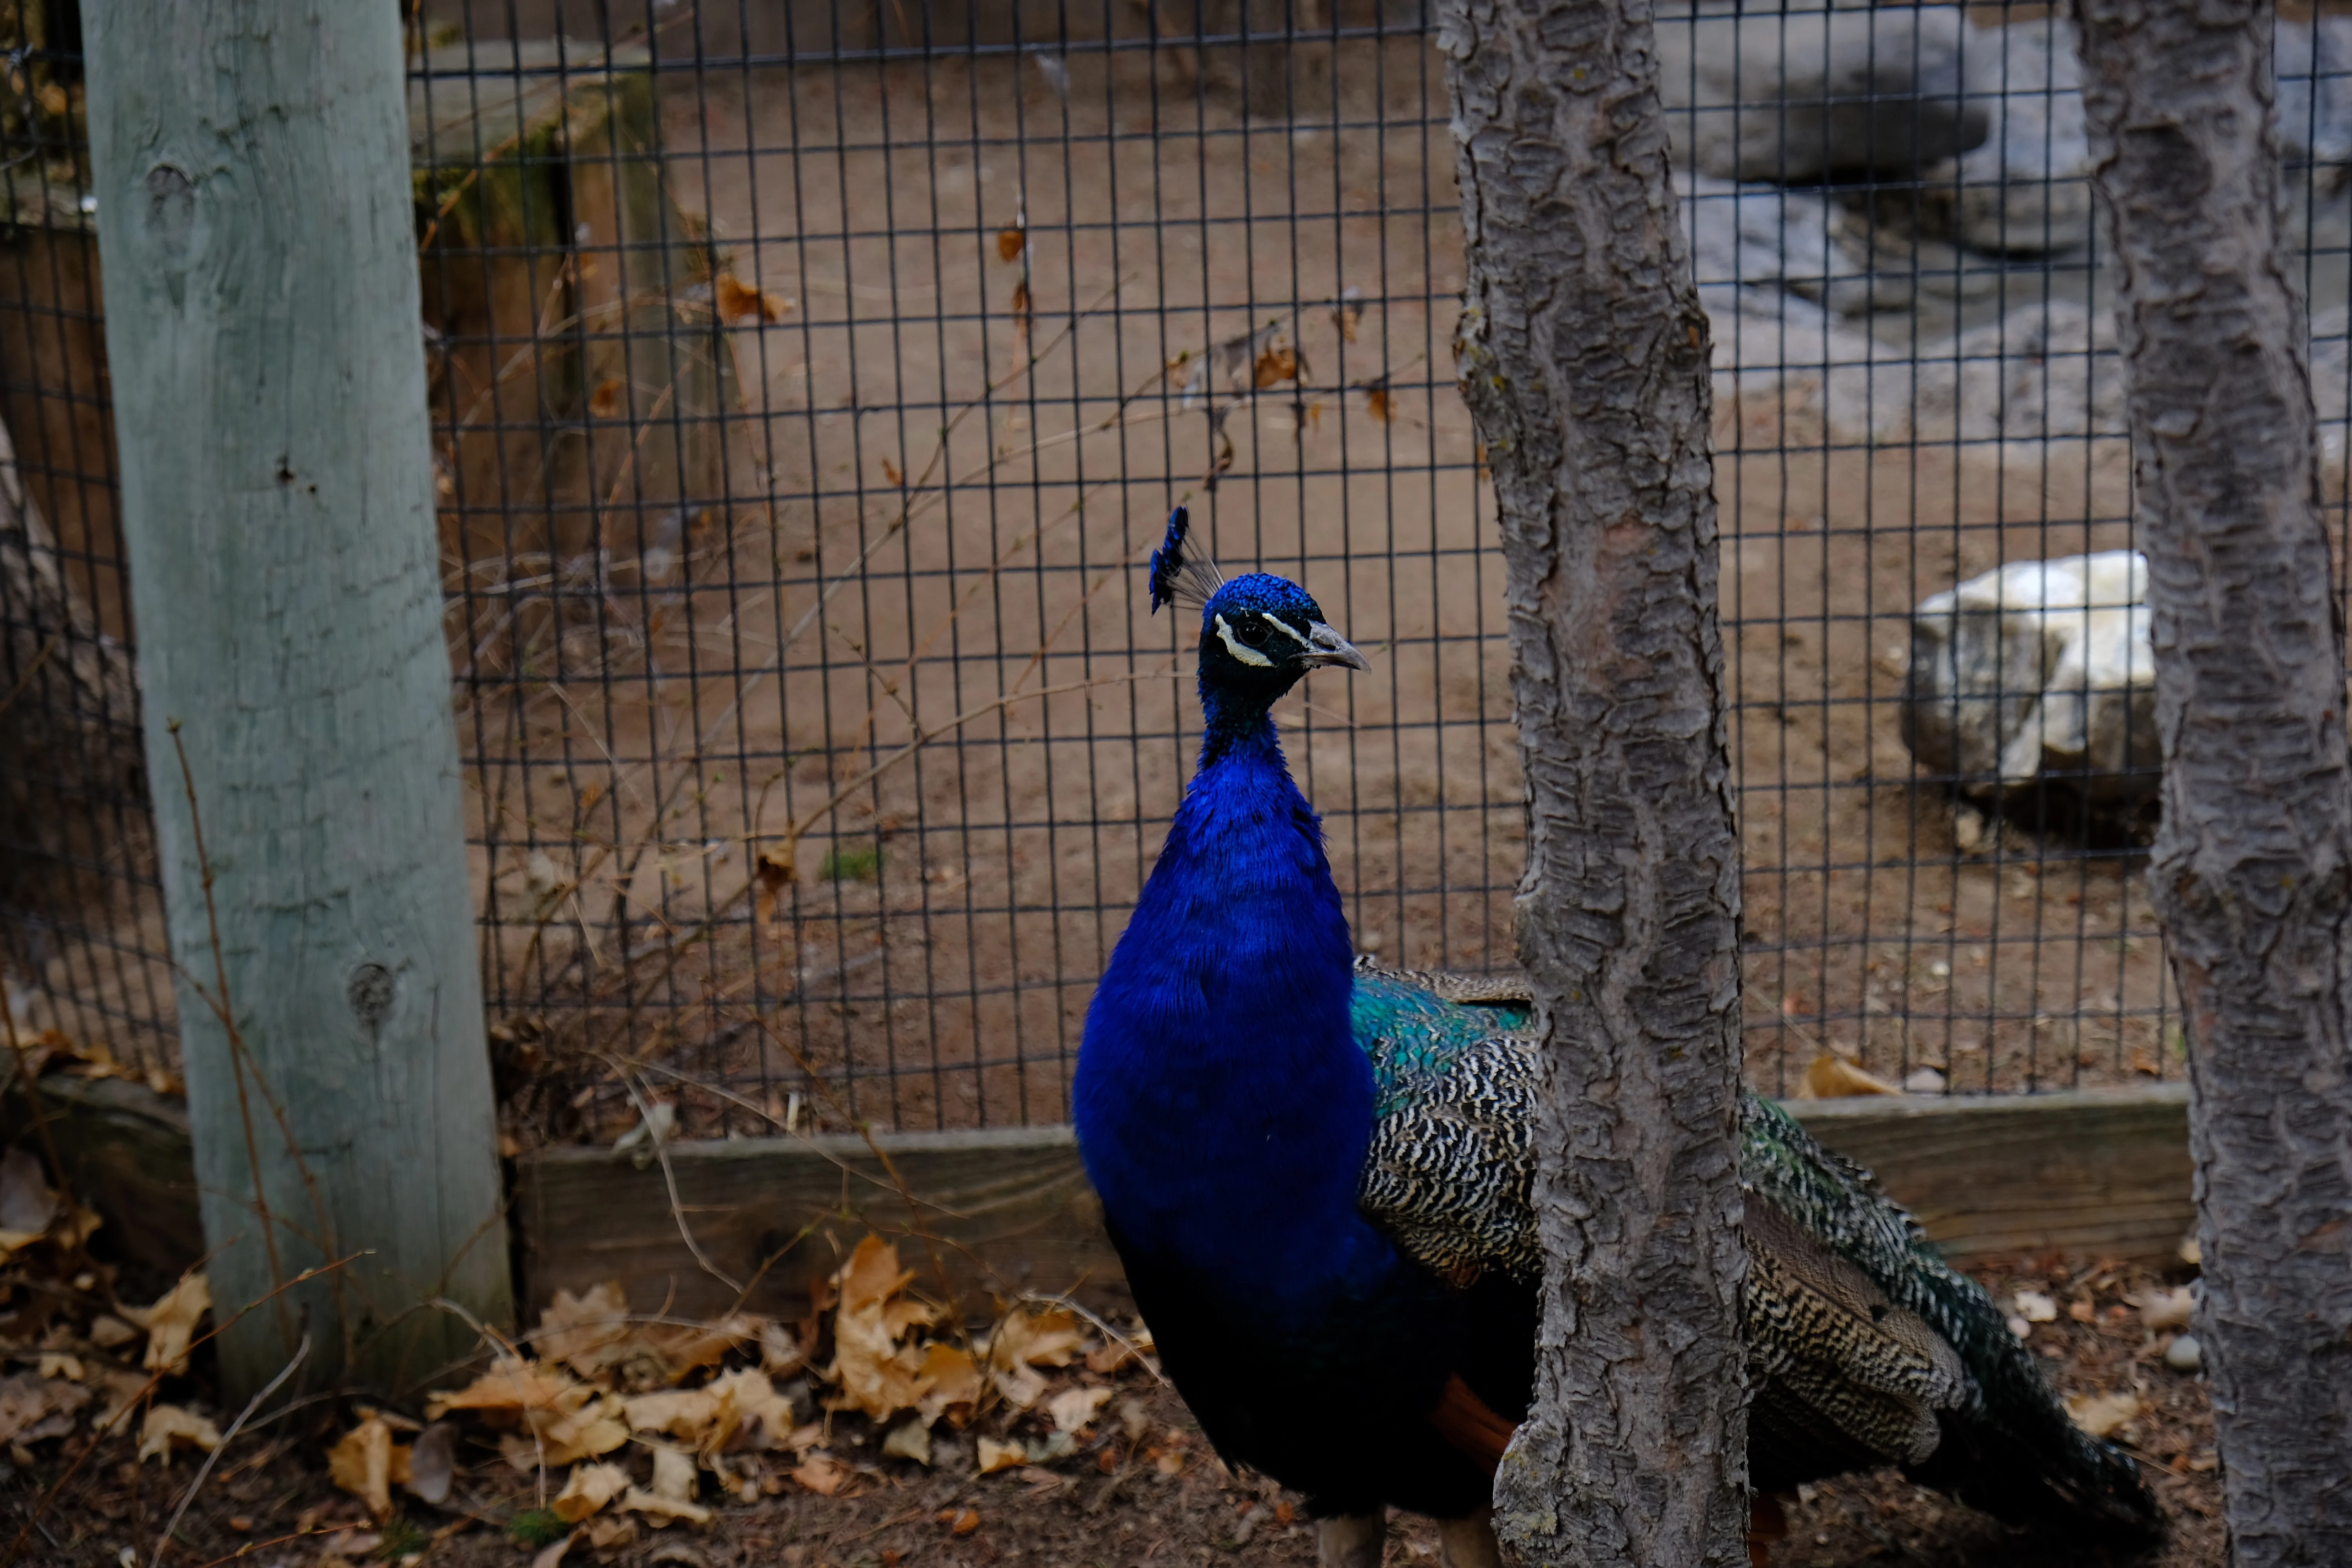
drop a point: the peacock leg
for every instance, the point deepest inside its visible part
(1351, 1539)
(1468, 1543)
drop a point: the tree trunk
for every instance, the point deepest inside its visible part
(1584, 355)
(256, 220)
(2253, 867)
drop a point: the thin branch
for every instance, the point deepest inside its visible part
(206, 1469)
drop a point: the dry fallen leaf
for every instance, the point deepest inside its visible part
(662, 1511)
(2101, 1413)
(512, 1385)
(874, 1372)
(604, 1534)
(2162, 1309)
(822, 1474)
(585, 1332)
(109, 1332)
(33, 1408)
(27, 1204)
(1347, 312)
(1378, 402)
(996, 1455)
(364, 1465)
(779, 1351)
(589, 1489)
(673, 1475)
(738, 302)
(609, 399)
(910, 1440)
(964, 1523)
(1074, 1407)
(953, 1381)
(123, 1390)
(1010, 240)
(552, 1556)
(748, 1413)
(1277, 365)
(1049, 1336)
(681, 1413)
(168, 1426)
(433, 1463)
(2035, 1306)
(891, 472)
(171, 1322)
(1831, 1077)
(565, 1438)
(1021, 309)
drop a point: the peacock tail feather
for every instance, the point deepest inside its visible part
(1865, 1347)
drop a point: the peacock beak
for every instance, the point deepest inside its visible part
(1325, 646)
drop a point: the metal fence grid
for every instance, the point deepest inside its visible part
(810, 380)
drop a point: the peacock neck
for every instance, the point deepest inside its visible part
(1238, 726)
(1222, 1105)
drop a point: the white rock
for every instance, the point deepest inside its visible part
(1793, 97)
(2184, 1354)
(2026, 188)
(2040, 669)
(1924, 1080)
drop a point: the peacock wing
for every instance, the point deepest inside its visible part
(2010, 1447)
(1452, 1163)
(1843, 1377)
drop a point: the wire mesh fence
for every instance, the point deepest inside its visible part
(810, 380)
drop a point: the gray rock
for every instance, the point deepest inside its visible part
(2039, 670)
(1793, 97)
(2314, 89)
(1764, 236)
(2026, 189)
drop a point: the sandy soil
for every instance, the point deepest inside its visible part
(932, 957)
(918, 677)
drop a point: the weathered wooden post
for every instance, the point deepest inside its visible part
(251, 164)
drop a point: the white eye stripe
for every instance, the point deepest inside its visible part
(1277, 621)
(1242, 651)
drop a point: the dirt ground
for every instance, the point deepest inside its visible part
(1138, 1486)
(834, 813)
(959, 864)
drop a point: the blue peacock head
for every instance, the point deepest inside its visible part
(1259, 633)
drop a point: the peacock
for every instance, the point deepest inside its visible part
(1319, 1175)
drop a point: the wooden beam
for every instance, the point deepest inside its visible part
(249, 160)
(2096, 1172)
(125, 1154)
(1006, 1210)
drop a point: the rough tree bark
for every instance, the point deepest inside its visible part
(1583, 353)
(2253, 867)
(255, 218)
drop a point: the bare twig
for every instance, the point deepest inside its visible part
(225, 1013)
(206, 1469)
(660, 1143)
(49, 1494)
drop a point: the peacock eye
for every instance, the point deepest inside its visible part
(1252, 631)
